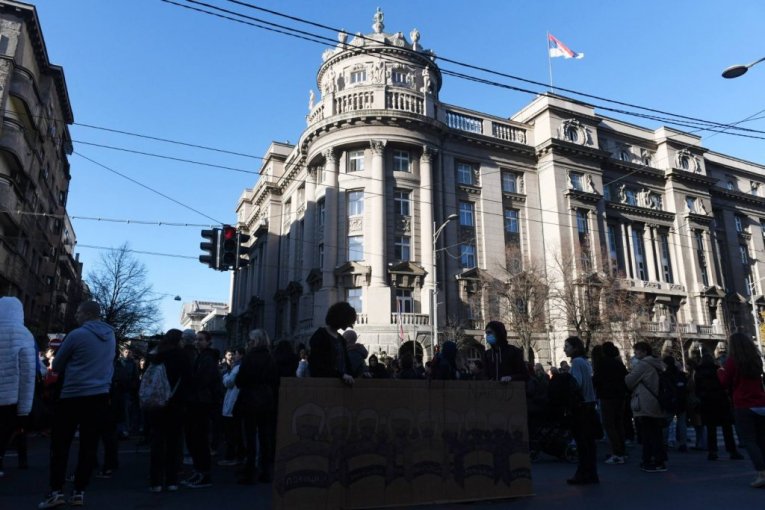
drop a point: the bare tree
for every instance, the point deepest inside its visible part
(120, 286)
(597, 305)
(523, 295)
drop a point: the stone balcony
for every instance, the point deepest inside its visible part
(411, 319)
(690, 330)
(652, 286)
(393, 101)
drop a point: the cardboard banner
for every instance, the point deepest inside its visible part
(391, 443)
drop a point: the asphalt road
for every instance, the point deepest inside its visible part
(691, 482)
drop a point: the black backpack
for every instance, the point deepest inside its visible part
(670, 391)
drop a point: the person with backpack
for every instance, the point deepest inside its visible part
(168, 379)
(715, 408)
(644, 384)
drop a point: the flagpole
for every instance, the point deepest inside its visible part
(549, 62)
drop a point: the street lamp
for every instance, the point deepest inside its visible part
(755, 316)
(738, 70)
(434, 307)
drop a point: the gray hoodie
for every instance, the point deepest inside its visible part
(86, 360)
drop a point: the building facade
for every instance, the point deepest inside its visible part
(37, 259)
(351, 212)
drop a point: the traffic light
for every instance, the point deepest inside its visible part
(242, 259)
(229, 248)
(211, 256)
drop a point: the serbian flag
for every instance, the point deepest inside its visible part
(558, 49)
(401, 335)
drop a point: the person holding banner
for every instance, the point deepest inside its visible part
(329, 353)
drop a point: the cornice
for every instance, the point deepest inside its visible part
(583, 196)
(635, 168)
(562, 146)
(737, 196)
(641, 211)
(684, 175)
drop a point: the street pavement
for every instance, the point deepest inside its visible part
(691, 482)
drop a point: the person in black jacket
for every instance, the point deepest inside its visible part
(329, 354)
(257, 380)
(608, 379)
(204, 396)
(501, 361)
(166, 423)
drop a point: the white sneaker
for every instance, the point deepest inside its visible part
(615, 459)
(155, 488)
(760, 481)
(172, 488)
(53, 500)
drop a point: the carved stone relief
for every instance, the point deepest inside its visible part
(355, 224)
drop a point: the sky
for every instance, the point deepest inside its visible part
(149, 67)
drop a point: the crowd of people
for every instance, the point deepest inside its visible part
(184, 396)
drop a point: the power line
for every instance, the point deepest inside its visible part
(148, 188)
(160, 254)
(158, 223)
(460, 63)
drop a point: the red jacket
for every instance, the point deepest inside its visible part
(747, 392)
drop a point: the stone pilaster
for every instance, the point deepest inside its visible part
(426, 225)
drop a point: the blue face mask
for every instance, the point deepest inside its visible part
(491, 339)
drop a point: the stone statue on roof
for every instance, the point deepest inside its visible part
(378, 18)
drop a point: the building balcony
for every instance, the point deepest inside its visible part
(12, 139)
(410, 319)
(651, 286)
(22, 86)
(690, 330)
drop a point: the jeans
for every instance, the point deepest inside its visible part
(583, 420)
(198, 436)
(730, 442)
(612, 410)
(260, 440)
(89, 414)
(677, 429)
(166, 447)
(232, 427)
(751, 431)
(653, 444)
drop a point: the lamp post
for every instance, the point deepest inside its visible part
(755, 316)
(739, 69)
(434, 307)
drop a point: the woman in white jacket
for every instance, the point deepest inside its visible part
(17, 370)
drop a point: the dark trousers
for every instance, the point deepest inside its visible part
(109, 439)
(727, 430)
(87, 413)
(232, 427)
(260, 430)
(583, 421)
(9, 423)
(198, 436)
(653, 440)
(751, 432)
(612, 411)
(166, 445)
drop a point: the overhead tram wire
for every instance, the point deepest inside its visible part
(464, 64)
(134, 181)
(333, 44)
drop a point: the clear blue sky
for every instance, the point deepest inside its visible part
(153, 68)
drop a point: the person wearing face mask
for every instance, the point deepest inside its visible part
(501, 361)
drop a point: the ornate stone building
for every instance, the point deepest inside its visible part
(37, 259)
(349, 213)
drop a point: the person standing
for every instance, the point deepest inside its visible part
(166, 423)
(501, 361)
(742, 375)
(715, 408)
(203, 398)
(18, 363)
(329, 353)
(643, 381)
(232, 425)
(584, 418)
(85, 361)
(608, 379)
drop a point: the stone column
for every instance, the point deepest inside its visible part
(331, 204)
(309, 222)
(374, 205)
(426, 226)
(629, 254)
(650, 261)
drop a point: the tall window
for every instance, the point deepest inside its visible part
(401, 161)
(467, 255)
(700, 257)
(403, 203)
(631, 196)
(638, 248)
(744, 254)
(583, 229)
(321, 211)
(467, 214)
(577, 180)
(355, 161)
(511, 222)
(666, 259)
(398, 77)
(510, 182)
(690, 203)
(353, 297)
(613, 250)
(739, 223)
(762, 229)
(355, 248)
(731, 185)
(402, 248)
(465, 173)
(320, 255)
(355, 203)
(404, 301)
(358, 76)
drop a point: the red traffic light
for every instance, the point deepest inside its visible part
(229, 232)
